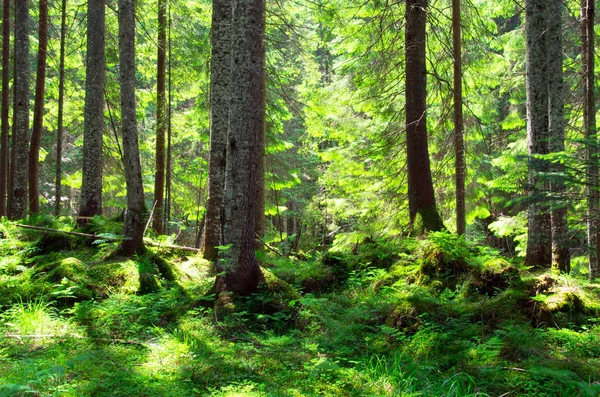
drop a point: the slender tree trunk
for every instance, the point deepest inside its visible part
(21, 112)
(38, 110)
(589, 116)
(134, 225)
(61, 106)
(167, 211)
(161, 118)
(242, 272)
(4, 163)
(556, 118)
(421, 197)
(93, 127)
(539, 247)
(219, 119)
(459, 146)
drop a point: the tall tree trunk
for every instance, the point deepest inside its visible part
(61, 106)
(167, 215)
(134, 225)
(556, 126)
(4, 163)
(38, 110)
(21, 112)
(421, 197)
(539, 246)
(459, 146)
(261, 159)
(219, 119)
(589, 117)
(242, 272)
(161, 118)
(93, 127)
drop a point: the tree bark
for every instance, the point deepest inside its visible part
(38, 109)
(261, 158)
(239, 263)
(4, 163)
(589, 120)
(219, 120)
(459, 146)
(21, 112)
(161, 118)
(421, 197)
(61, 107)
(93, 127)
(134, 225)
(539, 247)
(556, 126)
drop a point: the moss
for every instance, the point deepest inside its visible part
(426, 220)
(70, 268)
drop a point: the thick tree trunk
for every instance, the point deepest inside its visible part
(21, 112)
(421, 197)
(219, 119)
(556, 118)
(161, 118)
(91, 187)
(38, 109)
(459, 146)
(589, 117)
(4, 162)
(261, 159)
(539, 247)
(134, 225)
(61, 106)
(242, 272)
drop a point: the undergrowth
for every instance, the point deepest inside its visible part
(419, 317)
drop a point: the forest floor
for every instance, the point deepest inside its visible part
(419, 317)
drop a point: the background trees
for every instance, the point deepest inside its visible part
(339, 98)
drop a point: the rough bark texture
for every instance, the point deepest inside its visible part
(421, 197)
(261, 160)
(589, 116)
(556, 118)
(38, 109)
(539, 247)
(134, 225)
(21, 112)
(161, 118)
(4, 163)
(219, 119)
(61, 106)
(459, 146)
(91, 187)
(242, 272)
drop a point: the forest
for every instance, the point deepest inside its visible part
(299, 198)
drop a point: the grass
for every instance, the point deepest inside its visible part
(384, 330)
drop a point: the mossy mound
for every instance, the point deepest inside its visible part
(53, 242)
(492, 278)
(119, 276)
(65, 279)
(69, 268)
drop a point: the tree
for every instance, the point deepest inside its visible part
(219, 120)
(556, 127)
(19, 167)
(134, 225)
(161, 117)
(61, 106)
(91, 187)
(589, 128)
(241, 270)
(38, 109)
(539, 246)
(421, 197)
(4, 163)
(459, 145)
